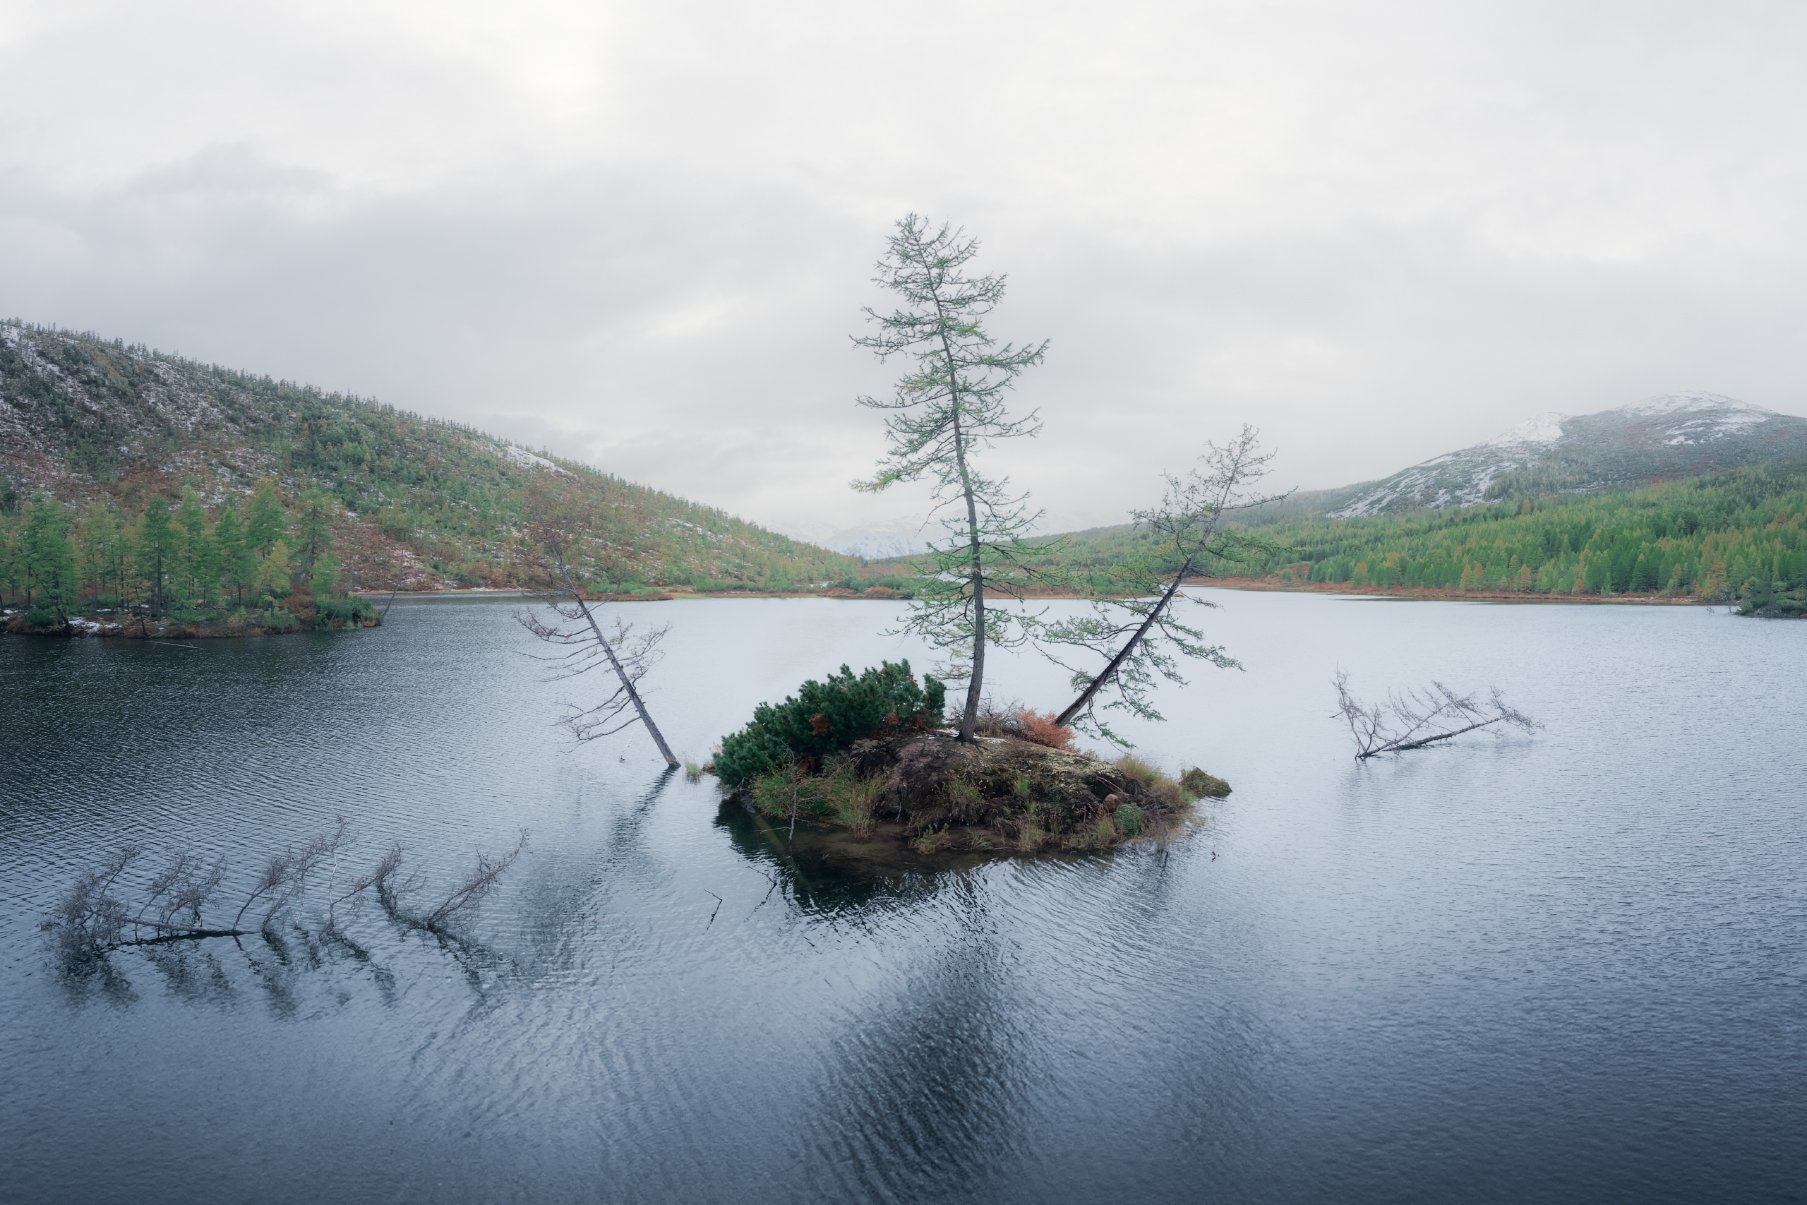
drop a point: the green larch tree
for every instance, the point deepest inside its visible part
(946, 408)
(1134, 631)
(97, 542)
(264, 521)
(324, 580)
(238, 561)
(193, 556)
(275, 576)
(55, 576)
(156, 552)
(313, 531)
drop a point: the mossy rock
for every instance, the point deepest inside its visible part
(1200, 785)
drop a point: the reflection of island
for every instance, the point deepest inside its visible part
(825, 870)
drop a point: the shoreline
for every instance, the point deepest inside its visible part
(1437, 594)
(1251, 584)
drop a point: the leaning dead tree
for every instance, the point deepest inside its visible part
(122, 902)
(583, 644)
(1415, 719)
(1134, 629)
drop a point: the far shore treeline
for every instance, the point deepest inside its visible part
(1738, 536)
(237, 566)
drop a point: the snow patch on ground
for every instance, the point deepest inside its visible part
(1545, 428)
(528, 460)
(1681, 403)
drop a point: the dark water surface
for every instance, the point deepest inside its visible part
(1569, 968)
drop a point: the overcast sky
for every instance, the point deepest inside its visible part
(640, 234)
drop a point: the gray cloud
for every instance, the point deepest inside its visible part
(641, 234)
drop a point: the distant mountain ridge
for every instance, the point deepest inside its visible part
(419, 503)
(1661, 438)
(876, 541)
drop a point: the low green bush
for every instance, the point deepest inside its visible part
(279, 620)
(1132, 819)
(333, 612)
(1199, 785)
(828, 716)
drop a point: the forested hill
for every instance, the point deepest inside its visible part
(1738, 535)
(416, 503)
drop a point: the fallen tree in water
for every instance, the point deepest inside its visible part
(1417, 719)
(120, 903)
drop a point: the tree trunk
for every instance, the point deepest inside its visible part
(975, 685)
(626, 683)
(969, 718)
(1110, 671)
(1098, 683)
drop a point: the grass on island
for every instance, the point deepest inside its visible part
(1003, 794)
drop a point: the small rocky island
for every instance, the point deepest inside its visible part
(860, 768)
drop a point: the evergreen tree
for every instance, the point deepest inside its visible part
(55, 576)
(97, 535)
(275, 576)
(313, 531)
(238, 561)
(192, 553)
(12, 558)
(156, 552)
(943, 410)
(264, 521)
(122, 565)
(324, 580)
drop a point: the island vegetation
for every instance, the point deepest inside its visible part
(876, 752)
(871, 755)
(185, 569)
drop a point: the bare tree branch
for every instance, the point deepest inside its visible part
(1415, 719)
(585, 646)
(1134, 630)
(476, 885)
(110, 908)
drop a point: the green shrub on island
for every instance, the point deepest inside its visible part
(826, 717)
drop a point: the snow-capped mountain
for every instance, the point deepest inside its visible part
(1674, 435)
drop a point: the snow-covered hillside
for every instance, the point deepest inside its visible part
(1674, 435)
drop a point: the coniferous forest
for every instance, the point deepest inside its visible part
(1738, 536)
(186, 566)
(412, 502)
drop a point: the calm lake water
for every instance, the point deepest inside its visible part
(1565, 968)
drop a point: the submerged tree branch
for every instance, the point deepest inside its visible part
(109, 907)
(1416, 719)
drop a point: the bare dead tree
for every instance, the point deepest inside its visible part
(479, 883)
(110, 907)
(585, 645)
(1415, 719)
(379, 877)
(1133, 627)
